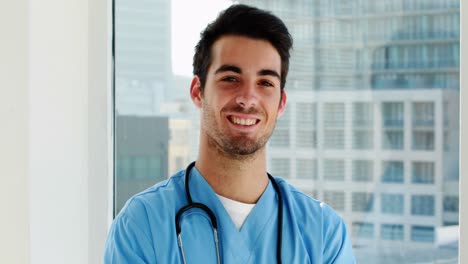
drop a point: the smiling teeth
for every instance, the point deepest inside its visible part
(244, 122)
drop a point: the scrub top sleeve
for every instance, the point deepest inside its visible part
(128, 243)
(337, 244)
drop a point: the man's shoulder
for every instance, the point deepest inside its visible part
(161, 194)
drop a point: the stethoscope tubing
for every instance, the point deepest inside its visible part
(214, 223)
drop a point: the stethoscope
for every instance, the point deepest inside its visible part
(214, 223)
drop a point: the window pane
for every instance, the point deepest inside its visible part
(451, 204)
(392, 114)
(307, 168)
(362, 202)
(306, 136)
(392, 232)
(280, 137)
(363, 170)
(333, 170)
(334, 115)
(422, 205)
(393, 172)
(423, 172)
(423, 233)
(363, 115)
(336, 199)
(363, 230)
(363, 139)
(423, 114)
(392, 203)
(280, 167)
(363, 119)
(333, 125)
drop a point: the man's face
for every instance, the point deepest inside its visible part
(242, 97)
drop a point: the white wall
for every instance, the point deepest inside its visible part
(58, 81)
(56, 141)
(14, 116)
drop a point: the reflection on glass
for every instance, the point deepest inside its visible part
(371, 126)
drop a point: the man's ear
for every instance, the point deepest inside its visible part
(282, 104)
(196, 92)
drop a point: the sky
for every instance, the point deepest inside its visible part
(189, 18)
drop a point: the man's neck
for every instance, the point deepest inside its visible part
(242, 180)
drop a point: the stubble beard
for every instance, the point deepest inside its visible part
(238, 147)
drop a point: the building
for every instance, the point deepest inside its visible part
(179, 144)
(371, 125)
(141, 155)
(143, 55)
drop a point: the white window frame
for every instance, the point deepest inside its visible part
(463, 212)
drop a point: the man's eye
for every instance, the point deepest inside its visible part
(266, 83)
(229, 79)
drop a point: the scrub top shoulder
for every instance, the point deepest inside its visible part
(144, 231)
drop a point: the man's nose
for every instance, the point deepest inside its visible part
(247, 96)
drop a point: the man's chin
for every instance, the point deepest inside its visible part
(243, 148)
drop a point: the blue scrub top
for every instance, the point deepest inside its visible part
(144, 231)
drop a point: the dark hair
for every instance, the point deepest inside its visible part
(245, 21)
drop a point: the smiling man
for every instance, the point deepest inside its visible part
(225, 207)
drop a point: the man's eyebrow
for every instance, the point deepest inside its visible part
(232, 68)
(269, 72)
(226, 67)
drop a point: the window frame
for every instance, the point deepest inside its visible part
(463, 184)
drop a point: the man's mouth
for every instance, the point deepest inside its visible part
(243, 121)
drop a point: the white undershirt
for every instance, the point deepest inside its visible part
(237, 211)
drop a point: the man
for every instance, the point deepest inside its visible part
(224, 208)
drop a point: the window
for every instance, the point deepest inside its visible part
(363, 170)
(334, 125)
(280, 137)
(363, 126)
(141, 167)
(363, 229)
(306, 125)
(423, 172)
(392, 203)
(423, 114)
(451, 204)
(422, 205)
(362, 202)
(392, 116)
(393, 172)
(392, 232)
(280, 167)
(333, 170)
(423, 140)
(124, 168)
(422, 233)
(423, 126)
(306, 168)
(336, 199)
(363, 139)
